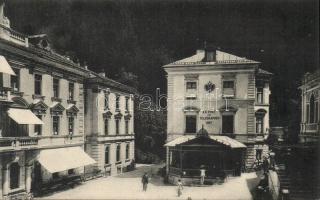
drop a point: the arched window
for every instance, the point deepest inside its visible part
(312, 109)
(14, 175)
(106, 155)
(118, 152)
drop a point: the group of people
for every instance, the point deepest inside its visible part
(145, 181)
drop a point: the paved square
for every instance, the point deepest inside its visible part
(128, 186)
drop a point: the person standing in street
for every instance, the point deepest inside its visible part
(145, 181)
(180, 188)
(202, 175)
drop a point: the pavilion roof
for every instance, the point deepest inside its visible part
(225, 140)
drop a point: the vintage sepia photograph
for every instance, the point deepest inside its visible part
(159, 99)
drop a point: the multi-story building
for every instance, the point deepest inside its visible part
(42, 114)
(50, 109)
(310, 109)
(109, 125)
(222, 98)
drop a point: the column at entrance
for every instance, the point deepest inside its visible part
(28, 178)
(167, 160)
(6, 181)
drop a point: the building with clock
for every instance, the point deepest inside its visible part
(218, 114)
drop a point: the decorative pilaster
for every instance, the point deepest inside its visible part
(5, 185)
(28, 178)
(167, 160)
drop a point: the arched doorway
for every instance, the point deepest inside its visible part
(36, 178)
(14, 175)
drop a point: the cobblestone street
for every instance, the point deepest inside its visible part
(128, 186)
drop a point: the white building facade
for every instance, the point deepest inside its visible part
(109, 125)
(222, 93)
(46, 112)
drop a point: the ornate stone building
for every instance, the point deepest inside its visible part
(109, 128)
(226, 97)
(42, 117)
(310, 109)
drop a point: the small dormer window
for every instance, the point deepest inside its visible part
(210, 56)
(44, 44)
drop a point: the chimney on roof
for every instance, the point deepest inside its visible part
(210, 53)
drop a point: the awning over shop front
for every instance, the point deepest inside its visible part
(232, 143)
(23, 116)
(61, 159)
(5, 67)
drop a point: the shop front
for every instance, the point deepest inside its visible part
(58, 168)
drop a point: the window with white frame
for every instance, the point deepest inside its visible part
(228, 88)
(37, 84)
(127, 104)
(71, 91)
(106, 101)
(127, 126)
(117, 126)
(312, 109)
(107, 155)
(259, 124)
(38, 127)
(118, 153)
(55, 125)
(106, 126)
(127, 150)
(191, 123)
(14, 80)
(71, 125)
(259, 95)
(117, 102)
(55, 87)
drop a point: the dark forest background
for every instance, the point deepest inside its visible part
(133, 39)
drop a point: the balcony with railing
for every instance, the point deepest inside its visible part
(14, 36)
(310, 128)
(17, 143)
(60, 140)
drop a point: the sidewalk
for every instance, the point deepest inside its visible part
(128, 186)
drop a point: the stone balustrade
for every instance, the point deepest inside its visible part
(15, 143)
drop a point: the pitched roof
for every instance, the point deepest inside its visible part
(221, 58)
(96, 78)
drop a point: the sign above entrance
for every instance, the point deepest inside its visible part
(209, 116)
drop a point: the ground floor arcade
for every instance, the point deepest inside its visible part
(32, 171)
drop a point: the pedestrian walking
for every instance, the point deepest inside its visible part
(180, 188)
(145, 181)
